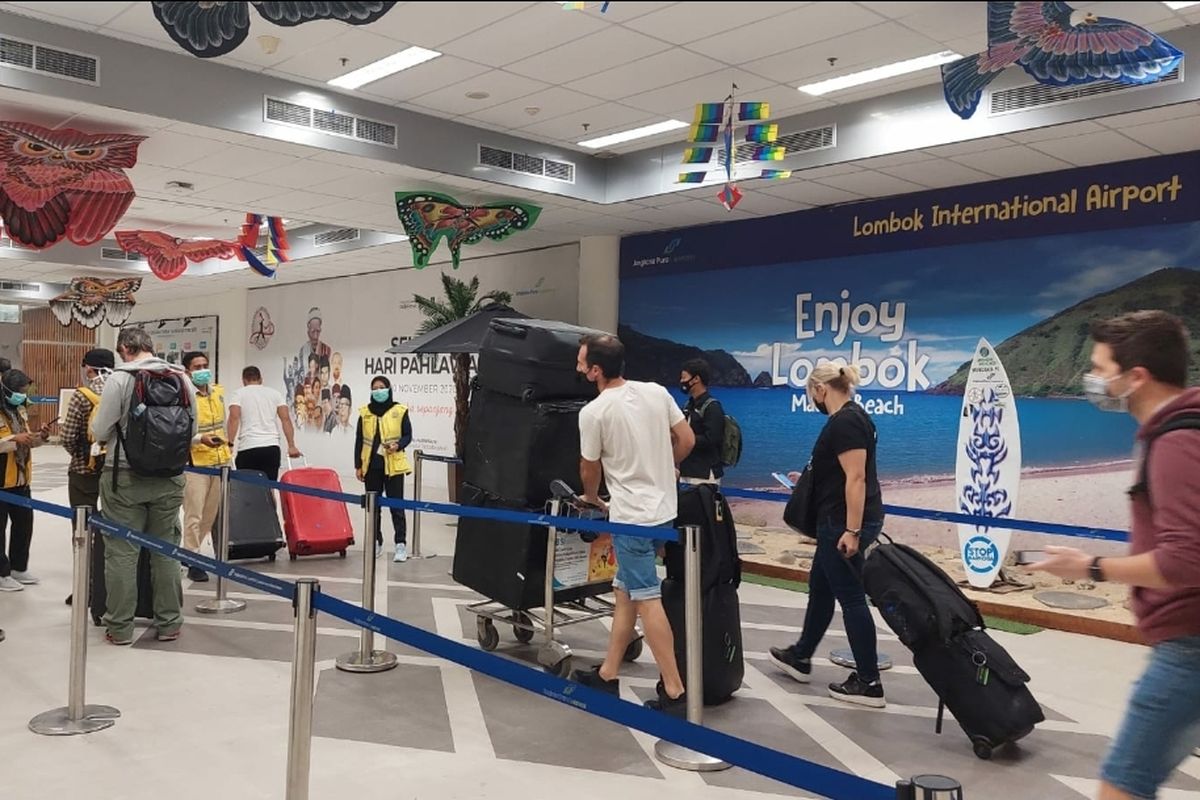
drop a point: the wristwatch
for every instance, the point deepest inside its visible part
(1095, 572)
(852, 532)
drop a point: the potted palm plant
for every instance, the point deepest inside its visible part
(460, 300)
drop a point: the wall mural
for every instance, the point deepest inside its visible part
(90, 301)
(1058, 46)
(207, 29)
(429, 217)
(64, 183)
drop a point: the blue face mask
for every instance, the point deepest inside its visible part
(17, 398)
(381, 395)
(202, 377)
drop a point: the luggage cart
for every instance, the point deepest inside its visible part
(554, 656)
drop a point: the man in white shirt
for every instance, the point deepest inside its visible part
(634, 436)
(256, 413)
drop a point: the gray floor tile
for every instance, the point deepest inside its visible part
(404, 707)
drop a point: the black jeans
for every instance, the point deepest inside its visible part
(263, 459)
(376, 481)
(14, 554)
(833, 577)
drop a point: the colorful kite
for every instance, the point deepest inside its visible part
(275, 250)
(429, 217)
(1058, 46)
(64, 183)
(717, 122)
(167, 255)
(89, 301)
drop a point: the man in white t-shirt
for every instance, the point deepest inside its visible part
(634, 436)
(256, 413)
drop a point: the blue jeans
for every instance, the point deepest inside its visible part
(1162, 722)
(835, 577)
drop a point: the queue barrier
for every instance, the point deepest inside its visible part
(308, 601)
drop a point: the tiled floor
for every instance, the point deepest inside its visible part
(208, 714)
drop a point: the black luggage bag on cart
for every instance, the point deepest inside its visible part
(533, 359)
(254, 529)
(720, 576)
(973, 676)
(98, 599)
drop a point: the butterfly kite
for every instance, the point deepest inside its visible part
(1058, 46)
(89, 301)
(722, 122)
(57, 184)
(429, 217)
(210, 29)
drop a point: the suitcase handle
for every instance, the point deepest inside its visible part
(303, 461)
(508, 329)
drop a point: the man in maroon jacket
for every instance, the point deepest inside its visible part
(1140, 365)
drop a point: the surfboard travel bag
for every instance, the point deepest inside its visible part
(973, 676)
(533, 359)
(254, 530)
(720, 576)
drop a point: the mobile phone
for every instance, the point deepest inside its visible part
(783, 480)
(1026, 557)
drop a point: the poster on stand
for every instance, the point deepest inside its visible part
(174, 337)
(577, 562)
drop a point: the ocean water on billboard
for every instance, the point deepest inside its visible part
(920, 443)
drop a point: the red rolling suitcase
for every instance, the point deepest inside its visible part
(315, 525)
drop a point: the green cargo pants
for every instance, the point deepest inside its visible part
(151, 506)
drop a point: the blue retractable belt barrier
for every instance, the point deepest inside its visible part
(36, 505)
(782, 767)
(1050, 528)
(212, 472)
(339, 497)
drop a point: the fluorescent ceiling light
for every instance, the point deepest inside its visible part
(396, 62)
(880, 73)
(1177, 6)
(635, 133)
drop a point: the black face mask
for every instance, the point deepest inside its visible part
(822, 408)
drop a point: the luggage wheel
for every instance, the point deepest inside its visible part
(555, 659)
(271, 557)
(291, 556)
(634, 651)
(487, 634)
(341, 553)
(983, 749)
(524, 635)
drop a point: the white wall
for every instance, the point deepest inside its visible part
(10, 342)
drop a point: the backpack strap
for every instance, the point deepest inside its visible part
(1189, 421)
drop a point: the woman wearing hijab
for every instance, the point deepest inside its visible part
(16, 444)
(384, 432)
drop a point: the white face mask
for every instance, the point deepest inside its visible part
(1095, 389)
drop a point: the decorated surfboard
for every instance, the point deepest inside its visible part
(988, 465)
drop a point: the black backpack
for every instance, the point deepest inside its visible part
(1190, 421)
(157, 435)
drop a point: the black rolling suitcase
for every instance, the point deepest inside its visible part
(720, 576)
(533, 359)
(254, 529)
(98, 601)
(515, 449)
(973, 676)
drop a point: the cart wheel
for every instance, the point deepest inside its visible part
(341, 553)
(634, 651)
(291, 556)
(983, 749)
(562, 669)
(487, 634)
(523, 635)
(271, 557)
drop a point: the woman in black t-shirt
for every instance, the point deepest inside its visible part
(849, 508)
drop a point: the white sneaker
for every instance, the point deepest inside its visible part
(9, 584)
(401, 554)
(27, 578)
(378, 550)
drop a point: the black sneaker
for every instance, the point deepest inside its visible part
(786, 659)
(591, 679)
(859, 693)
(197, 575)
(676, 707)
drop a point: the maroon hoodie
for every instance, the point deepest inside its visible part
(1167, 522)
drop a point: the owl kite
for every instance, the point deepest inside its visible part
(1058, 46)
(90, 301)
(429, 217)
(167, 255)
(63, 183)
(208, 29)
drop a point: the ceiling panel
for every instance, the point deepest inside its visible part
(871, 184)
(320, 59)
(1094, 148)
(1009, 162)
(937, 174)
(553, 102)
(1176, 111)
(80, 15)
(169, 149)
(306, 174)
(814, 194)
(646, 74)
(501, 87)
(871, 47)
(243, 194)
(418, 80)
(946, 22)
(1171, 136)
(807, 25)
(685, 23)
(1056, 132)
(600, 119)
(235, 161)
(711, 88)
(539, 27)
(597, 52)
(433, 24)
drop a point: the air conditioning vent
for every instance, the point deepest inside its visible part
(330, 121)
(36, 57)
(793, 143)
(12, 286)
(1036, 95)
(326, 238)
(526, 164)
(117, 254)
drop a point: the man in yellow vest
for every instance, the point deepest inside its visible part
(16, 442)
(210, 448)
(384, 432)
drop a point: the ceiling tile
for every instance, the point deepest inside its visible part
(1169, 136)
(871, 47)
(624, 12)
(871, 184)
(1010, 162)
(819, 173)
(1161, 114)
(79, 15)
(235, 161)
(238, 194)
(170, 149)
(685, 22)
(812, 23)
(899, 10)
(895, 159)
(540, 27)
(597, 52)
(937, 174)
(645, 74)
(320, 58)
(413, 82)
(600, 119)
(710, 88)
(553, 102)
(357, 184)
(946, 22)
(1055, 132)
(813, 194)
(969, 146)
(432, 25)
(306, 174)
(501, 87)
(1094, 148)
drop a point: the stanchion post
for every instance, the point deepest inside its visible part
(77, 717)
(304, 659)
(669, 753)
(418, 461)
(222, 604)
(366, 658)
(929, 787)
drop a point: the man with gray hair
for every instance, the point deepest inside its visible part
(147, 420)
(314, 346)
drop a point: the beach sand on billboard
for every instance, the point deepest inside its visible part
(1084, 496)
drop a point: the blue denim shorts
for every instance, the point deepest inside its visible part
(1162, 722)
(637, 567)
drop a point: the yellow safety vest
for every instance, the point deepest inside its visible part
(210, 421)
(11, 474)
(390, 426)
(94, 399)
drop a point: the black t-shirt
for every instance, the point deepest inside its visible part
(849, 429)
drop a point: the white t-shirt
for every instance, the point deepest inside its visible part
(628, 430)
(259, 425)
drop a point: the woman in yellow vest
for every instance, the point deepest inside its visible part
(16, 444)
(210, 448)
(384, 432)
